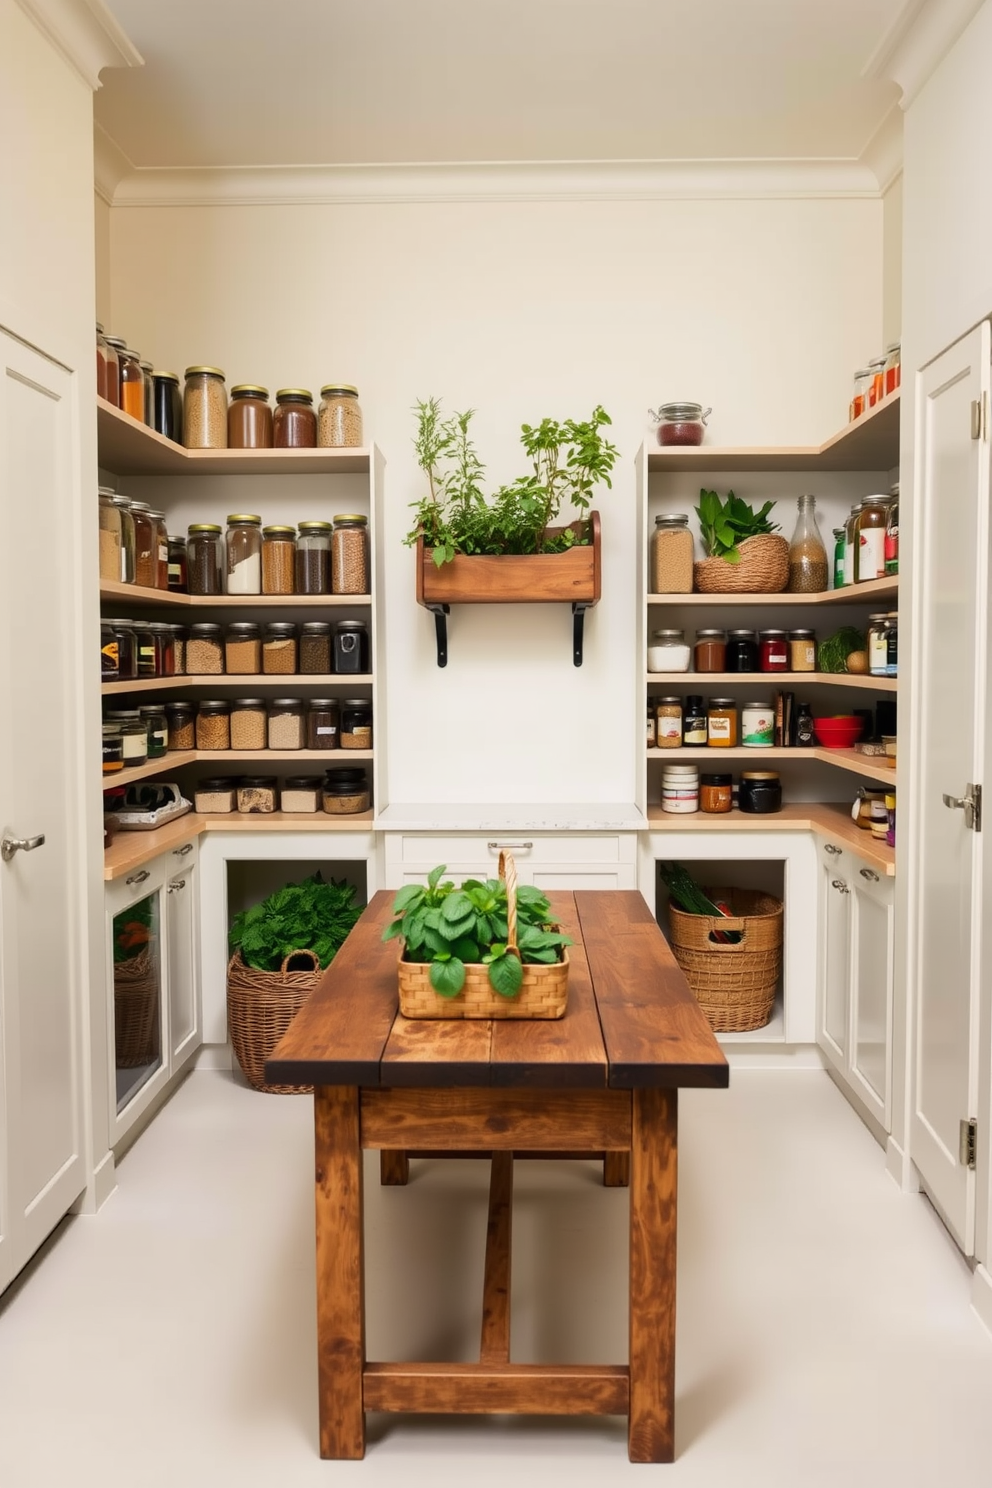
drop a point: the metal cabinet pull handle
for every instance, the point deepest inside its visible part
(180, 852)
(176, 884)
(838, 883)
(520, 846)
(870, 874)
(12, 845)
(834, 851)
(138, 877)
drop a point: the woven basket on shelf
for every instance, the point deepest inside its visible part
(733, 984)
(260, 1007)
(543, 992)
(763, 569)
(136, 994)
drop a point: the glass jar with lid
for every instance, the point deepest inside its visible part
(113, 749)
(840, 578)
(279, 648)
(773, 651)
(103, 353)
(249, 724)
(893, 368)
(243, 648)
(716, 793)
(110, 536)
(668, 651)
(892, 533)
(161, 549)
(145, 648)
(671, 555)
(668, 723)
(345, 792)
(115, 345)
(243, 545)
(132, 384)
(876, 391)
(758, 725)
(694, 729)
(167, 406)
(351, 647)
(177, 565)
(257, 794)
(294, 423)
(287, 723)
(802, 650)
(278, 560)
(315, 648)
(127, 649)
(216, 794)
(350, 554)
(876, 647)
(133, 733)
(301, 793)
(872, 519)
(213, 724)
(205, 559)
(862, 387)
(809, 571)
(249, 417)
(356, 723)
(205, 650)
(179, 648)
(157, 728)
(165, 648)
(323, 723)
(339, 418)
(109, 653)
(721, 723)
(313, 558)
(205, 409)
(742, 651)
(710, 651)
(145, 546)
(182, 725)
(892, 644)
(851, 546)
(147, 375)
(128, 549)
(680, 423)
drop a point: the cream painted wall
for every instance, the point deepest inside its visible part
(762, 309)
(892, 262)
(101, 213)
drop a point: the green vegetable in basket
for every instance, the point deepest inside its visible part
(832, 653)
(686, 894)
(308, 916)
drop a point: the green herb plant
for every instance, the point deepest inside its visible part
(569, 460)
(309, 916)
(726, 524)
(447, 927)
(833, 651)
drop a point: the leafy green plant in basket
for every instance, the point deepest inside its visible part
(569, 460)
(447, 928)
(724, 525)
(310, 916)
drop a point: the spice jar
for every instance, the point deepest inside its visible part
(249, 417)
(146, 649)
(742, 651)
(257, 795)
(110, 536)
(113, 749)
(177, 565)
(128, 550)
(840, 578)
(872, 519)
(356, 723)
(345, 792)
(668, 723)
(773, 653)
(109, 652)
(892, 644)
(350, 555)
(668, 651)
(157, 729)
(132, 384)
(127, 649)
(313, 558)
(315, 648)
(165, 648)
(248, 723)
(133, 733)
(711, 651)
(759, 792)
(721, 723)
(680, 789)
(205, 409)
(243, 543)
(809, 571)
(205, 650)
(694, 723)
(893, 369)
(115, 345)
(876, 389)
(278, 560)
(351, 647)
(104, 354)
(802, 650)
(279, 648)
(243, 648)
(179, 648)
(323, 719)
(339, 418)
(680, 423)
(294, 423)
(758, 725)
(286, 723)
(213, 725)
(716, 793)
(301, 793)
(859, 401)
(204, 559)
(671, 555)
(167, 406)
(161, 552)
(145, 545)
(147, 371)
(216, 794)
(652, 726)
(182, 726)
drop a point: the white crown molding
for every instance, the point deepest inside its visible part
(110, 164)
(883, 152)
(675, 180)
(918, 41)
(85, 33)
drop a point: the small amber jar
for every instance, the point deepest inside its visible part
(249, 417)
(716, 793)
(114, 346)
(132, 384)
(721, 723)
(294, 423)
(710, 652)
(148, 378)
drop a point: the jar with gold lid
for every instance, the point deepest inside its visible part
(205, 409)
(350, 554)
(132, 384)
(339, 418)
(249, 417)
(294, 423)
(147, 377)
(115, 345)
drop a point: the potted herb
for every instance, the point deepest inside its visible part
(743, 555)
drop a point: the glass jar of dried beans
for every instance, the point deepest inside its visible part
(350, 555)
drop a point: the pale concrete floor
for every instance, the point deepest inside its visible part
(825, 1336)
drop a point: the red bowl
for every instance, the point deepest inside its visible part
(838, 733)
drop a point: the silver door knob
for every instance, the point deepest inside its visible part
(11, 845)
(832, 849)
(840, 886)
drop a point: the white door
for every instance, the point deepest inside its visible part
(41, 1163)
(872, 902)
(952, 541)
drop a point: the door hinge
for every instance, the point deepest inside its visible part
(980, 417)
(970, 803)
(976, 807)
(968, 1142)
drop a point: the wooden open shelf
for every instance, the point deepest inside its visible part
(826, 819)
(173, 761)
(129, 850)
(872, 766)
(867, 593)
(774, 680)
(137, 596)
(870, 443)
(245, 683)
(223, 758)
(128, 447)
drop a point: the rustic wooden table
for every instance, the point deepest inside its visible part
(602, 1081)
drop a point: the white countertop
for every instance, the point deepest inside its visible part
(607, 816)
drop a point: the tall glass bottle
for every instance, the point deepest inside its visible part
(809, 570)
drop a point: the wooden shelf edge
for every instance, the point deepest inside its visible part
(773, 679)
(246, 682)
(824, 819)
(178, 758)
(129, 850)
(842, 759)
(866, 593)
(139, 595)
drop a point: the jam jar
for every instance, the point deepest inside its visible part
(711, 651)
(294, 423)
(680, 423)
(716, 793)
(742, 651)
(774, 653)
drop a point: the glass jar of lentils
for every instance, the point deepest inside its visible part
(205, 409)
(350, 554)
(339, 420)
(278, 560)
(313, 558)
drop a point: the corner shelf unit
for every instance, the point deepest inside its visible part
(247, 683)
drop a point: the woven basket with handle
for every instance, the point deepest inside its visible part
(260, 1007)
(733, 984)
(543, 992)
(763, 569)
(136, 1003)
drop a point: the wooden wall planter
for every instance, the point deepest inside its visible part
(573, 577)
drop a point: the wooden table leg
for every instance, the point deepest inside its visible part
(495, 1347)
(340, 1271)
(394, 1168)
(616, 1169)
(653, 1213)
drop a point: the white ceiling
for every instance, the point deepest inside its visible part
(341, 82)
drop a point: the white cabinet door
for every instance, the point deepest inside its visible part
(41, 997)
(952, 541)
(137, 972)
(183, 963)
(872, 901)
(835, 955)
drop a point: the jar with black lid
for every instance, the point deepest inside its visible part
(313, 558)
(694, 722)
(294, 423)
(301, 793)
(134, 734)
(157, 726)
(179, 648)
(146, 648)
(243, 648)
(128, 549)
(147, 376)
(109, 652)
(248, 723)
(249, 417)
(287, 723)
(145, 545)
(345, 792)
(113, 749)
(217, 793)
(127, 649)
(257, 794)
(205, 558)
(760, 792)
(181, 718)
(213, 724)
(132, 384)
(315, 648)
(177, 565)
(351, 647)
(742, 651)
(167, 406)
(205, 650)
(165, 648)
(279, 648)
(323, 721)
(356, 723)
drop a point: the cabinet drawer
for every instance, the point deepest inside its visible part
(483, 849)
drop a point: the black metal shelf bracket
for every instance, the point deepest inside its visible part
(441, 613)
(579, 608)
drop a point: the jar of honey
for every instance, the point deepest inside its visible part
(716, 793)
(721, 723)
